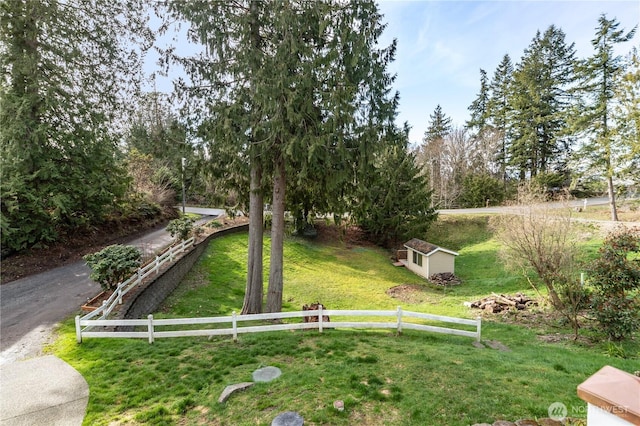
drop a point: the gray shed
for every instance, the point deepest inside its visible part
(426, 259)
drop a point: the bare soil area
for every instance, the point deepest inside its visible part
(408, 293)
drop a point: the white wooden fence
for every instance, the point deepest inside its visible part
(124, 287)
(85, 327)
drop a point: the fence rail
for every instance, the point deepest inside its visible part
(85, 327)
(152, 267)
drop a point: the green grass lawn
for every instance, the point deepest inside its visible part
(415, 378)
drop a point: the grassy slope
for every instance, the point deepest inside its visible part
(416, 378)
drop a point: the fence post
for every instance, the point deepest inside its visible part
(320, 318)
(139, 280)
(399, 320)
(234, 325)
(150, 327)
(157, 267)
(78, 330)
(104, 309)
(119, 290)
(479, 322)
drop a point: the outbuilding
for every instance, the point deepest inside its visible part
(426, 259)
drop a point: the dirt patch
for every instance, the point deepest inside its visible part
(408, 293)
(349, 235)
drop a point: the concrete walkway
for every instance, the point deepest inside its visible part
(42, 391)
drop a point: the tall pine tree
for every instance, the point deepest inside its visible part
(540, 102)
(601, 75)
(67, 69)
(499, 110)
(432, 150)
(293, 88)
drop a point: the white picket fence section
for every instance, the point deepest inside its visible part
(150, 268)
(85, 327)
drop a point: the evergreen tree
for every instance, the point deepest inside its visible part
(479, 108)
(499, 110)
(627, 116)
(601, 75)
(540, 104)
(433, 150)
(294, 88)
(66, 70)
(400, 201)
(483, 134)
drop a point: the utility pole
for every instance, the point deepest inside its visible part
(184, 160)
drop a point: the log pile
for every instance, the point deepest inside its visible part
(444, 279)
(501, 302)
(314, 307)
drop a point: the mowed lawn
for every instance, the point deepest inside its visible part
(415, 378)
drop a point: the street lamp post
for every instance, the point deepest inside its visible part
(184, 160)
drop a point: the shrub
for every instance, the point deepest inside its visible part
(615, 276)
(113, 264)
(481, 190)
(181, 228)
(539, 239)
(214, 224)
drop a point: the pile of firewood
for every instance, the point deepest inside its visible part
(502, 302)
(314, 307)
(444, 279)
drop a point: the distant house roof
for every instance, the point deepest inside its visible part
(426, 248)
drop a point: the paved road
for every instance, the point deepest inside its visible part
(501, 209)
(31, 306)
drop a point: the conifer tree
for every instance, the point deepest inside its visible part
(600, 76)
(291, 88)
(540, 104)
(67, 69)
(479, 108)
(432, 149)
(499, 109)
(482, 133)
(627, 115)
(400, 207)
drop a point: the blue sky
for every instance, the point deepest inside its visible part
(443, 44)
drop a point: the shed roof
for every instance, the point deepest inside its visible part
(426, 248)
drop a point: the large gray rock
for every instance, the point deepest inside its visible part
(288, 418)
(266, 374)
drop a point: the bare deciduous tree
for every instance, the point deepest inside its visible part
(539, 238)
(448, 160)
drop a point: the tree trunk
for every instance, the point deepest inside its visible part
(555, 299)
(253, 294)
(274, 293)
(612, 198)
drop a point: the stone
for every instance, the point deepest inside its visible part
(503, 423)
(494, 344)
(266, 374)
(338, 405)
(549, 422)
(289, 418)
(481, 424)
(527, 422)
(229, 390)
